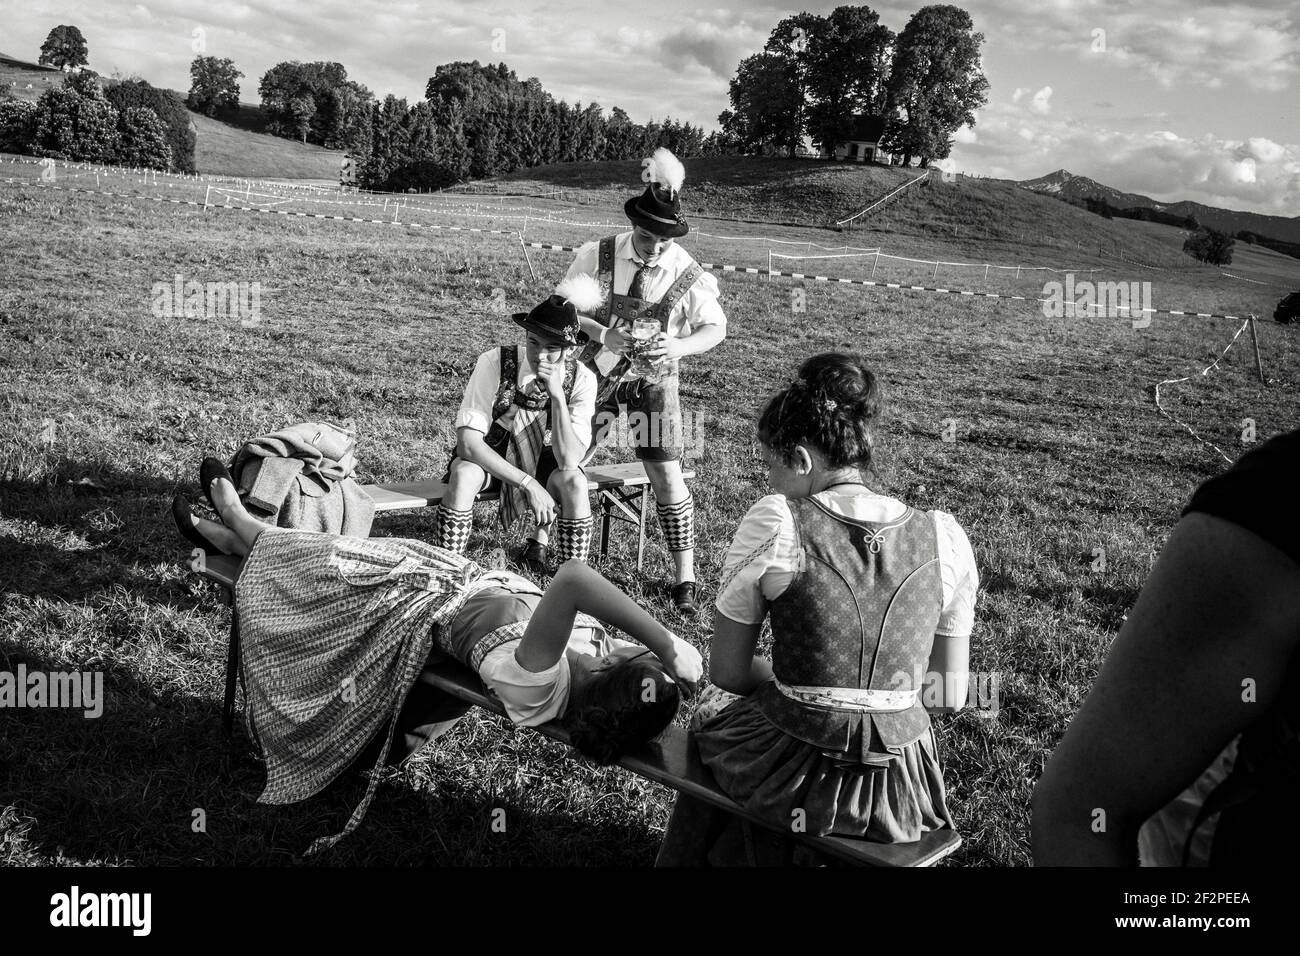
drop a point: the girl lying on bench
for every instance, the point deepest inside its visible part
(871, 604)
(335, 631)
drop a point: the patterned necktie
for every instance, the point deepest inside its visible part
(637, 289)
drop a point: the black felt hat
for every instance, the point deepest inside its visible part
(555, 318)
(659, 208)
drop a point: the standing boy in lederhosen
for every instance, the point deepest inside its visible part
(524, 427)
(644, 274)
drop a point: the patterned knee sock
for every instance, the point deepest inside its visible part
(678, 522)
(572, 538)
(454, 527)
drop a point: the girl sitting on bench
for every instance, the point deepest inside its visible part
(335, 631)
(866, 596)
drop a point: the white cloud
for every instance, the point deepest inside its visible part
(1019, 93)
(1041, 103)
(1256, 174)
(1255, 45)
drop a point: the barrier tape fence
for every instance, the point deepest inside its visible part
(1247, 321)
(557, 247)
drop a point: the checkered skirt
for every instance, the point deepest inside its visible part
(335, 630)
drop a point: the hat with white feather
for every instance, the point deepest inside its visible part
(659, 208)
(556, 317)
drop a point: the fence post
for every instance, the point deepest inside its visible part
(1259, 364)
(1017, 272)
(874, 262)
(936, 272)
(986, 272)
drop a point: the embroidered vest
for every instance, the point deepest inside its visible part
(860, 614)
(619, 310)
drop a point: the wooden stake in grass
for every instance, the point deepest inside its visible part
(1254, 338)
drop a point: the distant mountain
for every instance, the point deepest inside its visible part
(1065, 185)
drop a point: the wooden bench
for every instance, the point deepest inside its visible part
(672, 760)
(620, 493)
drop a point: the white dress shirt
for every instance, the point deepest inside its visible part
(697, 308)
(481, 394)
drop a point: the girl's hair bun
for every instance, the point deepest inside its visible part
(832, 404)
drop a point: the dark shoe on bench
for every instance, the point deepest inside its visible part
(183, 515)
(211, 469)
(684, 598)
(537, 557)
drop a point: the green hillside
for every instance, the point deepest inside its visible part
(229, 150)
(236, 148)
(973, 217)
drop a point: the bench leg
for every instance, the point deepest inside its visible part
(606, 515)
(640, 529)
(232, 671)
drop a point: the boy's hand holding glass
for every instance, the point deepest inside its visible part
(663, 349)
(618, 341)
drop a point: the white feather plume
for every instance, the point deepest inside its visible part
(583, 291)
(665, 169)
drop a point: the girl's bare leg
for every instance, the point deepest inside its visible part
(221, 536)
(235, 516)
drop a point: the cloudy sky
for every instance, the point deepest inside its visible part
(1176, 99)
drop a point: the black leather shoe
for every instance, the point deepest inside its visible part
(684, 598)
(537, 557)
(211, 469)
(182, 515)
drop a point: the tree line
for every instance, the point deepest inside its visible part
(816, 77)
(475, 121)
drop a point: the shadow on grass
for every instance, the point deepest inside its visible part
(152, 782)
(68, 539)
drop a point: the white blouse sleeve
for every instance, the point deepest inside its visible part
(960, 577)
(763, 558)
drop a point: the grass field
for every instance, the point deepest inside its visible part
(106, 409)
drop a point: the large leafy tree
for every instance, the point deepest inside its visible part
(214, 86)
(936, 83)
(65, 47)
(142, 139)
(766, 103)
(338, 105)
(848, 61)
(815, 76)
(76, 125)
(168, 108)
(1210, 245)
(17, 125)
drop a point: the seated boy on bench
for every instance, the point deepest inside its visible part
(523, 428)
